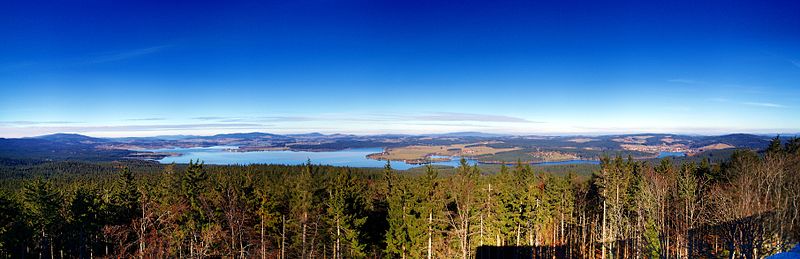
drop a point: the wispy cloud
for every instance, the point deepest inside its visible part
(210, 118)
(678, 108)
(131, 130)
(258, 118)
(16, 65)
(33, 123)
(287, 118)
(761, 104)
(82, 60)
(123, 55)
(475, 125)
(685, 81)
(749, 103)
(454, 116)
(335, 122)
(683, 130)
(147, 119)
(784, 57)
(795, 63)
(692, 85)
(432, 116)
(151, 127)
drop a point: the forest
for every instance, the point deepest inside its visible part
(743, 207)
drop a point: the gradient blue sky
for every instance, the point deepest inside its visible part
(139, 68)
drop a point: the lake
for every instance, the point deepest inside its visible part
(664, 154)
(357, 157)
(219, 155)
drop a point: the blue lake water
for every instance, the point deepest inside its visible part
(671, 154)
(221, 155)
(350, 157)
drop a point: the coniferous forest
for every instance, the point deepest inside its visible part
(745, 206)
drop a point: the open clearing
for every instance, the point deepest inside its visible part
(422, 152)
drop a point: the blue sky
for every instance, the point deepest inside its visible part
(141, 68)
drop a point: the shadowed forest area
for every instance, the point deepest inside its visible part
(745, 207)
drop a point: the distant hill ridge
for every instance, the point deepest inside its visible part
(70, 146)
(67, 137)
(79, 137)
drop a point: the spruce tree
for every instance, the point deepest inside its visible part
(464, 206)
(397, 236)
(430, 208)
(345, 213)
(85, 222)
(42, 205)
(13, 232)
(303, 206)
(195, 219)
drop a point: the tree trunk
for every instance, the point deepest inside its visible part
(430, 233)
(481, 242)
(263, 248)
(337, 252)
(305, 218)
(603, 235)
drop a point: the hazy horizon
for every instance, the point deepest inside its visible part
(153, 130)
(767, 134)
(410, 67)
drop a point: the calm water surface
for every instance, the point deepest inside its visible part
(671, 154)
(357, 157)
(220, 155)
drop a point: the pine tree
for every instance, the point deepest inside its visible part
(775, 145)
(233, 200)
(506, 207)
(792, 146)
(397, 235)
(613, 183)
(518, 203)
(560, 195)
(345, 207)
(42, 205)
(126, 199)
(687, 188)
(302, 206)
(194, 220)
(464, 206)
(12, 229)
(85, 221)
(430, 207)
(269, 218)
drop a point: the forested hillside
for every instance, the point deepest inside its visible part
(745, 206)
(482, 147)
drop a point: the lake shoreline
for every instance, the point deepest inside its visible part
(355, 157)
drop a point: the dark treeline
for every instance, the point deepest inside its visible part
(746, 207)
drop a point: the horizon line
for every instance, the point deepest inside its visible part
(549, 134)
